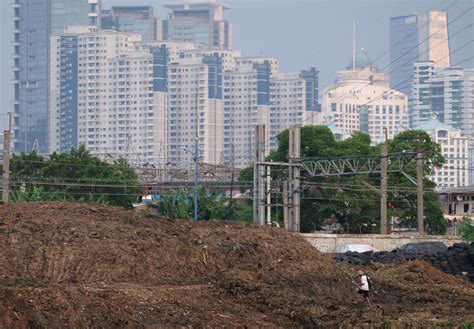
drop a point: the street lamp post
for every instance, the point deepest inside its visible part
(195, 153)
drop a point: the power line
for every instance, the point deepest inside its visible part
(410, 78)
(415, 47)
(464, 60)
(406, 52)
(402, 83)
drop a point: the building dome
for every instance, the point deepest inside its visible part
(362, 60)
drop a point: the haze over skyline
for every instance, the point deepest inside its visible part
(301, 34)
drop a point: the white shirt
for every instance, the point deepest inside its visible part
(364, 284)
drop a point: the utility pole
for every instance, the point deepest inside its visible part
(195, 154)
(294, 180)
(419, 190)
(258, 176)
(6, 161)
(269, 200)
(285, 205)
(229, 208)
(196, 178)
(383, 185)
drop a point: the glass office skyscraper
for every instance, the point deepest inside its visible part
(200, 22)
(131, 19)
(413, 38)
(34, 21)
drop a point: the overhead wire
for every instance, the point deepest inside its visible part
(402, 83)
(145, 167)
(410, 78)
(445, 26)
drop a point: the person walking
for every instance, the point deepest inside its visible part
(362, 289)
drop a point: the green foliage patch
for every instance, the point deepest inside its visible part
(347, 200)
(75, 176)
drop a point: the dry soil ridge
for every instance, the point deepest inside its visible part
(81, 265)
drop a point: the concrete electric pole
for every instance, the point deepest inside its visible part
(383, 185)
(6, 160)
(419, 190)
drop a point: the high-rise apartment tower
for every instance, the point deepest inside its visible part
(34, 21)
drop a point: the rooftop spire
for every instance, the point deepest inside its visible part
(353, 44)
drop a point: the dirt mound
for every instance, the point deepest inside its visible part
(458, 259)
(90, 265)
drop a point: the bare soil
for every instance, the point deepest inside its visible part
(77, 265)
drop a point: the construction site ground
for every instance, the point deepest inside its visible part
(78, 265)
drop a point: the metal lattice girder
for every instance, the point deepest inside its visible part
(367, 164)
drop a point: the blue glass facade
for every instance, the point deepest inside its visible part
(31, 75)
(215, 75)
(437, 100)
(456, 87)
(68, 92)
(447, 102)
(263, 82)
(191, 26)
(160, 68)
(311, 77)
(404, 51)
(68, 12)
(198, 22)
(34, 20)
(132, 19)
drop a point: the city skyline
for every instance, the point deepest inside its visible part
(288, 29)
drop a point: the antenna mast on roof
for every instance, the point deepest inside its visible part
(353, 45)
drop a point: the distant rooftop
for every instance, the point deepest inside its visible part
(255, 57)
(145, 11)
(460, 189)
(333, 127)
(131, 7)
(186, 4)
(434, 124)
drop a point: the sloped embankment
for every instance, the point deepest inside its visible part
(82, 265)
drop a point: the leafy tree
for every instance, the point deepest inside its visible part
(175, 206)
(36, 193)
(246, 178)
(466, 228)
(347, 199)
(338, 198)
(212, 205)
(316, 141)
(76, 176)
(180, 205)
(242, 210)
(404, 195)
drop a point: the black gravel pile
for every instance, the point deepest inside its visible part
(455, 260)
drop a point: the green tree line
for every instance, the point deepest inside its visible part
(211, 205)
(346, 200)
(75, 176)
(78, 176)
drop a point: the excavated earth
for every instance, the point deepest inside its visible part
(77, 265)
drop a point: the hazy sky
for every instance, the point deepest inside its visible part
(301, 33)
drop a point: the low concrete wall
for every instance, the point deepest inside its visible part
(329, 242)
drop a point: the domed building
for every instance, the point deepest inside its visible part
(361, 100)
(362, 69)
